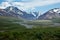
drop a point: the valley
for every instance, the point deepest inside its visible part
(12, 29)
(19, 25)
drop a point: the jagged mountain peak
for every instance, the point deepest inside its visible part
(15, 12)
(14, 9)
(11, 8)
(55, 10)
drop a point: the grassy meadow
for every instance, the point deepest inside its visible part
(11, 30)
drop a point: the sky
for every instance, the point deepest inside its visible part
(31, 5)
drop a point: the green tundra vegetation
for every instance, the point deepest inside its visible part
(9, 30)
(31, 34)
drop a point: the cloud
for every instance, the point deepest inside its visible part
(10, 0)
(26, 0)
(3, 5)
(36, 3)
(29, 5)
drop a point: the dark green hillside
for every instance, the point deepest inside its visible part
(9, 23)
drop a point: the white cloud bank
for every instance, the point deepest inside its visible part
(29, 5)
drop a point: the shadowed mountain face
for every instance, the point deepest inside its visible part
(53, 13)
(15, 12)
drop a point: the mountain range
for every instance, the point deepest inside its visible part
(15, 12)
(53, 13)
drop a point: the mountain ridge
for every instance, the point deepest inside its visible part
(55, 12)
(15, 12)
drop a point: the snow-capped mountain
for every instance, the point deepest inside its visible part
(56, 10)
(13, 9)
(15, 12)
(51, 14)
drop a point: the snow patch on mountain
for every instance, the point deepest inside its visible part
(55, 10)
